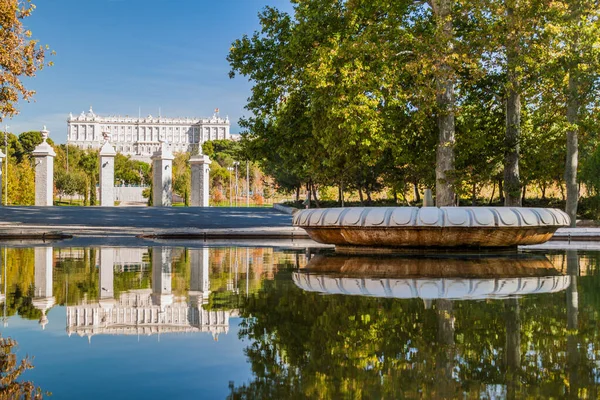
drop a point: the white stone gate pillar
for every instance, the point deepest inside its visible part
(200, 165)
(44, 172)
(162, 177)
(107, 174)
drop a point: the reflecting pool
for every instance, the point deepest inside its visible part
(241, 322)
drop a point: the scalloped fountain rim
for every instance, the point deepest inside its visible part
(455, 217)
(432, 288)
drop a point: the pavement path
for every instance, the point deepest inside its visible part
(147, 221)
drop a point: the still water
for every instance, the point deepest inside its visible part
(219, 322)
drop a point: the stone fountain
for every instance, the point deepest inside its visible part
(389, 229)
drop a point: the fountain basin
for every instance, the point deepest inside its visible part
(357, 228)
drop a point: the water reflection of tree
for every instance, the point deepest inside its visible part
(304, 344)
(11, 387)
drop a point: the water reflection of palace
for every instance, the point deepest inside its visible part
(141, 311)
(150, 311)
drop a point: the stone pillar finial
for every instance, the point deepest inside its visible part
(44, 171)
(162, 180)
(200, 165)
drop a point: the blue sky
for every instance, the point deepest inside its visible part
(122, 55)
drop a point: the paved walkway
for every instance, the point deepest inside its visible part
(172, 221)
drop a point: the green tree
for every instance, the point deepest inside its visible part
(20, 56)
(89, 165)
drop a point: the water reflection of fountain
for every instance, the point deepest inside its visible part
(450, 278)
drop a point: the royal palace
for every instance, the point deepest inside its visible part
(140, 137)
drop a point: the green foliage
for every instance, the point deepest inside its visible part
(350, 93)
(71, 184)
(131, 172)
(182, 184)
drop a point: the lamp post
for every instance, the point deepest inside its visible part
(247, 183)
(235, 164)
(6, 169)
(230, 169)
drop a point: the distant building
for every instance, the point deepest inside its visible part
(140, 137)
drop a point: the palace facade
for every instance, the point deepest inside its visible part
(141, 137)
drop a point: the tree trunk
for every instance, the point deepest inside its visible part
(307, 194)
(543, 189)
(572, 148)
(524, 193)
(474, 195)
(368, 192)
(395, 196)
(314, 194)
(360, 196)
(501, 190)
(93, 191)
(445, 385)
(416, 195)
(445, 99)
(512, 356)
(493, 193)
(512, 184)
(573, 345)
(297, 193)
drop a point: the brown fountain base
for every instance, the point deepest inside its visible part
(390, 240)
(393, 229)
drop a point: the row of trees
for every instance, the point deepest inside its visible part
(361, 94)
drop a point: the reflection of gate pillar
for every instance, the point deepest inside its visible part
(199, 278)
(161, 276)
(107, 276)
(42, 294)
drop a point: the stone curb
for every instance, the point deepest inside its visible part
(35, 234)
(285, 209)
(70, 232)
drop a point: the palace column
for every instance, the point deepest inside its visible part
(107, 173)
(44, 171)
(42, 294)
(200, 166)
(162, 181)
